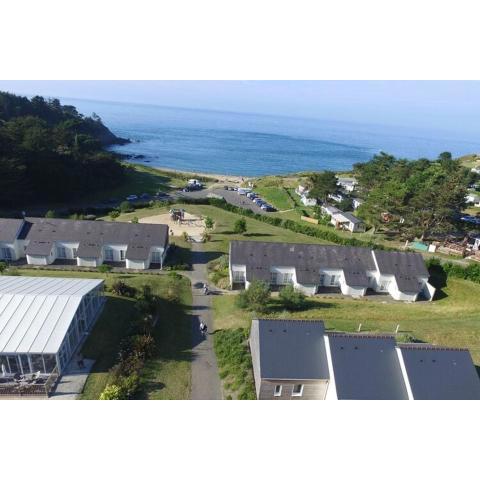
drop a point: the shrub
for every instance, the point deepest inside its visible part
(291, 298)
(111, 392)
(209, 222)
(51, 214)
(240, 226)
(120, 288)
(135, 220)
(114, 214)
(256, 297)
(185, 236)
(126, 207)
(3, 267)
(104, 268)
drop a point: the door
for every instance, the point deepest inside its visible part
(156, 257)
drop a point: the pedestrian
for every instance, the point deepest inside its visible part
(202, 326)
(204, 330)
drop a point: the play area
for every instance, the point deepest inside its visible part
(179, 221)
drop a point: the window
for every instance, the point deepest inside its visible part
(6, 253)
(297, 390)
(273, 278)
(109, 255)
(156, 257)
(322, 279)
(287, 278)
(332, 279)
(61, 253)
(238, 276)
(278, 391)
(74, 252)
(122, 254)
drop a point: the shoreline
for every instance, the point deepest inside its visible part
(216, 176)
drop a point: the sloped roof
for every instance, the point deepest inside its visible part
(9, 229)
(92, 235)
(307, 259)
(366, 367)
(36, 312)
(439, 373)
(405, 266)
(291, 349)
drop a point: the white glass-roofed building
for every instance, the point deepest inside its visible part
(43, 320)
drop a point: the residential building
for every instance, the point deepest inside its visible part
(347, 221)
(315, 268)
(343, 220)
(473, 198)
(43, 241)
(348, 184)
(356, 202)
(43, 321)
(298, 360)
(304, 195)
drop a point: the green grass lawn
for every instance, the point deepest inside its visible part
(277, 196)
(167, 375)
(452, 320)
(224, 222)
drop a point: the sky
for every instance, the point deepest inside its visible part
(451, 106)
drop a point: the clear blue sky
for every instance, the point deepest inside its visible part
(452, 106)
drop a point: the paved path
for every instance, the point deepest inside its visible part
(205, 380)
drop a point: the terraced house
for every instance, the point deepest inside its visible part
(298, 360)
(43, 241)
(314, 268)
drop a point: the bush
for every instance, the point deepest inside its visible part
(126, 207)
(104, 268)
(291, 298)
(255, 298)
(209, 222)
(3, 267)
(111, 392)
(471, 272)
(121, 289)
(240, 226)
(114, 214)
(51, 214)
(135, 220)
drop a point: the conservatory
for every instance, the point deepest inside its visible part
(43, 321)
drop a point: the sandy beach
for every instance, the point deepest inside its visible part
(214, 176)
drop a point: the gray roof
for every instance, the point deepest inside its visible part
(405, 266)
(291, 349)
(307, 259)
(438, 373)
(92, 235)
(366, 367)
(10, 229)
(350, 217)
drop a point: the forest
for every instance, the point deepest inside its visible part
(49, 152)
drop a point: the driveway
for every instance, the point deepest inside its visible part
(205, 380)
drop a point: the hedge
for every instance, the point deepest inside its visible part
(471, 272)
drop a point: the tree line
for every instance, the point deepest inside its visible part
(49, 152)
(412, 198)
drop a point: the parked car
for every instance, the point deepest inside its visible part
(251, 195)
(226, 187)
(132, 197)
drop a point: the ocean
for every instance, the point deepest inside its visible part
(250, 144)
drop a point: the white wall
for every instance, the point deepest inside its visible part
(37, 259)
(89, 262)
(116, 248)
(137, 264)
(69, 246)
(16, 251)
